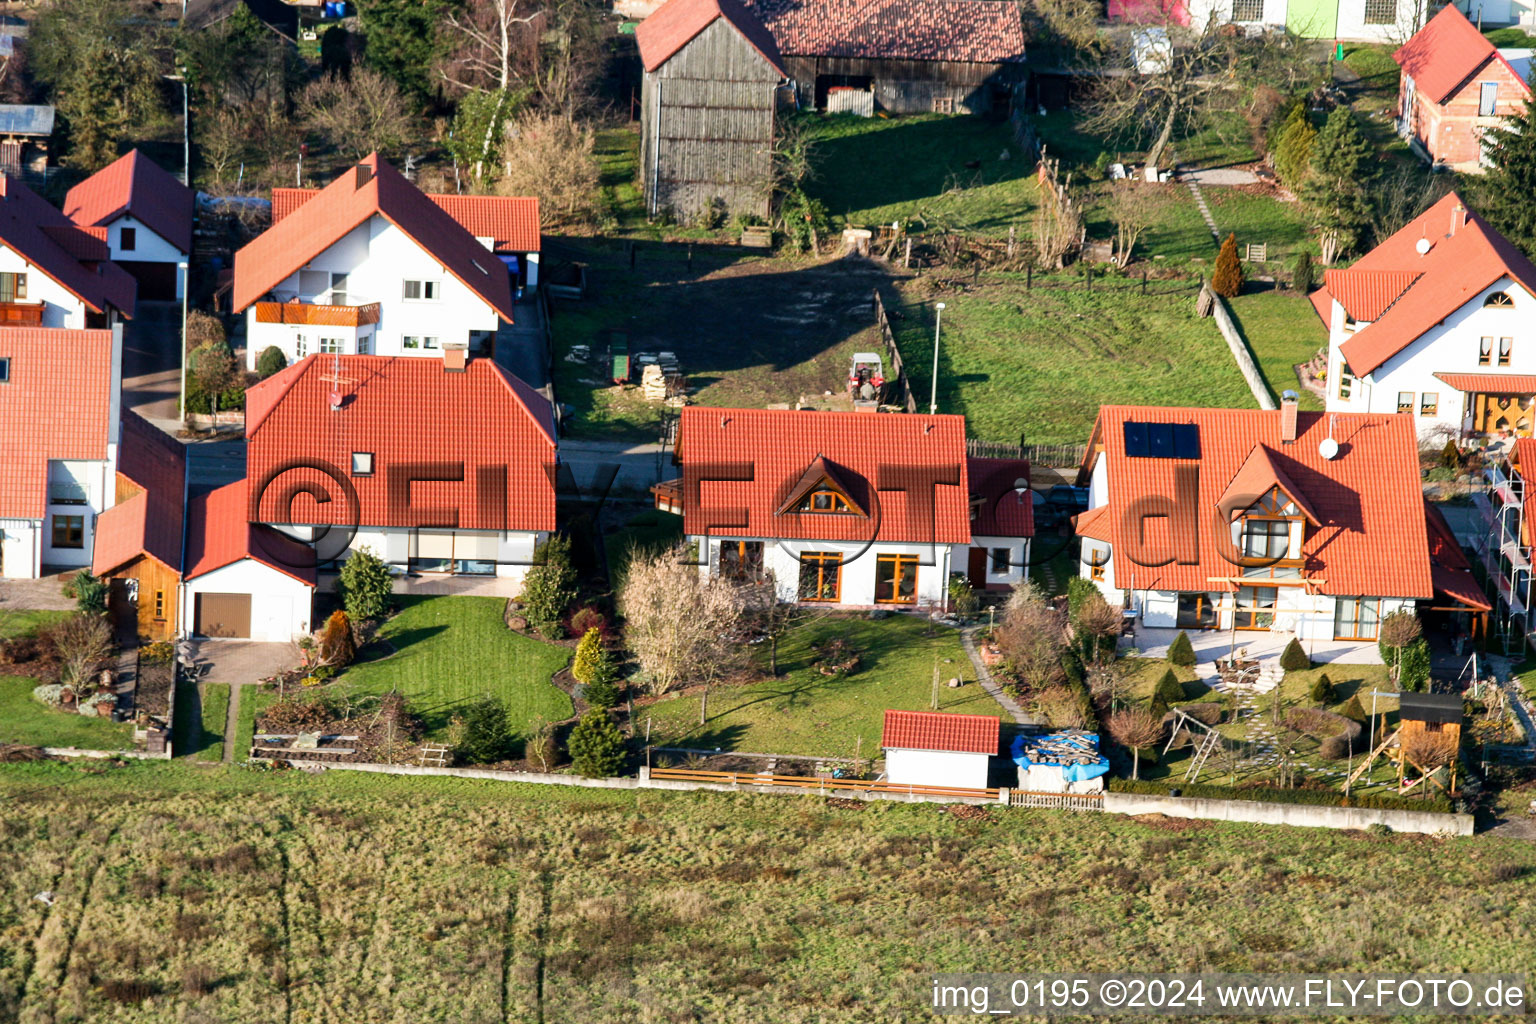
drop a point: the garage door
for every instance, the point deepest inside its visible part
(157, 281)
(223, 615)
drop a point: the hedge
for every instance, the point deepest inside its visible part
(1276, 795)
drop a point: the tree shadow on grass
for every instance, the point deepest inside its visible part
(722, 739)
(404, 639)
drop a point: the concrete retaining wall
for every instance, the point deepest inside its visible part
(1239, 348)
(77, 752)
(1430, 822)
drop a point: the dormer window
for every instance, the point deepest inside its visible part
(821, 490)
(1499, 300)
(1271, 531)
(825, 500)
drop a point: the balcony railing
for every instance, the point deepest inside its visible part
(314, 314)
(21, 314)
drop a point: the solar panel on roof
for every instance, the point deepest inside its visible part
(1186, 441)
(1136, 440)
(1162, 440)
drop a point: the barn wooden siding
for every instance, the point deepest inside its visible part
(707, 127)
(907, 86)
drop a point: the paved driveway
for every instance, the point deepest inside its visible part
(241, 661)
(151, 363)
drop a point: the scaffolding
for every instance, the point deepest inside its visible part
(1503, 554)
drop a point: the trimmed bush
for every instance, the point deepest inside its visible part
(1322, 691)
(89, 593)
(1182, 651)
(1413, 673)
(1227, 279)
(1169, 690)
(1353, 710)
(1302, 274)
(550, 586)
(1294, 658)
(600, 693)
(589, 653)
(1080, 590)
(1276, 795)
(336, 645)
(487, 733)
(596, 746)
(270, 361)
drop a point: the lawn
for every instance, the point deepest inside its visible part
(27, 721)
(450, 650)
(1283, 331)
(1041, 362)
(231, 895)
(26, 621)
(934, 172)
(804, 712)
(210, 746)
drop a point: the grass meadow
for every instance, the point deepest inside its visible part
(217, 894)
(1283, 331)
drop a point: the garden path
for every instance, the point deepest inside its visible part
(984, 676)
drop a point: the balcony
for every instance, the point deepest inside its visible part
(314, 314)
(21, 314)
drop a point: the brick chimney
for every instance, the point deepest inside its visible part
(455, 358)
(1288, 409)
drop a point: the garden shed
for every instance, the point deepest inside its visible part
(712, 74)
(931, 748)
(1430, 713)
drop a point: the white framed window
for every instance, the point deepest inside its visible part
(1487, 99)
(429, 342)
(418, 341)
(331, 346)
(420, 291)
(300, 346)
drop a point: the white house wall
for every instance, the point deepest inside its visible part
(148, 247)
(1017, 570)
(20, 548)
(280, 604)
(1450, 346)
(936, 768)
(61, 307)
(1352, 26)
(514, 552)
(857, 584)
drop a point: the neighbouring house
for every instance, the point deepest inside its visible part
(1370, 21)
(26, 130)
(138, 548)
(282, 18)
(1002, 522)
(370, 266)
(243, 580)
(508, 226)
(707, 100)
(1454, 85)
(59, 430)
(1437, 323)
(845, 509)
(147, 215)
(445, 467)
(904, 56)
(54, 273)
(1260, 521)
(936, 750)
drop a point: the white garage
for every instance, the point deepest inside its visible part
(934, 749)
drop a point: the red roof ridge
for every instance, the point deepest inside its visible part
(25, 222)
(678, 22)
(1447, 51)
(1258, 473)
(220, 535)
(940, 730)
(164, 204)
(1365, 293)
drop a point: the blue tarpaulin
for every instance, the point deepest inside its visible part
(1030, 750)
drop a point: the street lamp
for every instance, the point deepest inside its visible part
(933, 393)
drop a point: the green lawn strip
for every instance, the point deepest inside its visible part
(30, 722)
(251, 701)
(26, 621)
(451, 650)
(186, 721)
(210, 746)
(1041, 362)
(1263, 220)
(877, 170)
(804, 712)
(1283, 331)
(1373, 62)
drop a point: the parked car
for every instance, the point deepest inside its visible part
(1067, 499)
(1047, 515)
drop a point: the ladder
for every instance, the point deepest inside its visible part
(1211, 742)
(434, 756)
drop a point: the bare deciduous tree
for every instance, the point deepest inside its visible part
(1058, 706)
(358, 115)
(1058, 218)
(1109, 682)
(1135, 729)
(222, 138)
(1429, 750)
(497, 44)
(550, 156)
(215, 371)
(680, 628)
(1132, 209)
(1097, 625)
(83, 642)
(1032, 638)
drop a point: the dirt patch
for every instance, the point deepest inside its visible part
(1165, 823)
(843, 803)
(968, 812)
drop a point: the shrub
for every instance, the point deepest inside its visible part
(1413, 669)
(1322, 691)
(1353, 710)
(1274, 794)
(1294, 657)
(1096, 629)
(1181, 651)
(1302, 273)
(88, 592)
(1169, 690)
(962, 598)
(365, 585)
(587, 618)
(83, 643)
(270, 361)
(589, 653)
(1227, 278)
(160, 652)
(1337, 733)
(550, 586)
(596, 746)
(601, 693)
(336, 648)
(487, 733)
(543, 749)
(1080, 589)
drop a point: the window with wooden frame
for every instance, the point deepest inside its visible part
(1405, 401)
(1499, 300)
(1255, 607)
(943, 104)
(1266, 531)
(5, 370)
(1434, 726)
(1346, 383)
(1506, 349)
(69, 531)
(1429, 403)
(821, 576)
(13, 287)
(741, 560)
(1356, 618)
(1002, 561)
(824, 499)
(159, 606)
(896, 579)
(1485, 351)
(1096, 572)
(128, 239)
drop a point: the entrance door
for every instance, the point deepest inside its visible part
(1197, 611)
(976, 568)
(225, 615)
(1256, 607)
(1503, 412)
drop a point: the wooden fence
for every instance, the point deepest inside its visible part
(1056, 801)
(898, 370)
(1056, 456)
(823, 785)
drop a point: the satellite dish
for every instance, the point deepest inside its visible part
(335, 399)
(1423, 246)
(1328, 448)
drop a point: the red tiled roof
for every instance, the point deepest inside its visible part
(1463, 260)
(1004, 510)
(150, 522)
(1372, 541)
(57, 404)
(49, 241)
(936, 730)
(407, 411)
(1451, 571)
(1261, 471)
(1366, 294)
(342, 205)
(1445, 53)
(87, 244)
(675, 24)
(513, 221)
(136, 185)
(1525, 458)
(876, 456)
(219, 534)
(980, 31)
(1492, 383)
(1093, 524)
(1322, 302)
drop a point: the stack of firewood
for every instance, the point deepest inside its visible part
(1061, 750)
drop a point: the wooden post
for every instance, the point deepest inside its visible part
(1011, 229)
(1143, 280)
(906, 263)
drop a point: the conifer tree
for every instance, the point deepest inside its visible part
(1505, 195)
(1227, 280)
(1336, 192)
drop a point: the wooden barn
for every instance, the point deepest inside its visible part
(909, 56)
(712, 74)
